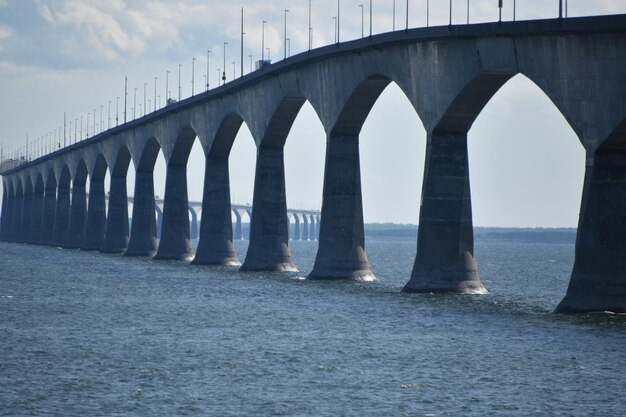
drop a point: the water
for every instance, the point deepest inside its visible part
(88, 334)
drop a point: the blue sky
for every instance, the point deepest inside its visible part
(71, 56)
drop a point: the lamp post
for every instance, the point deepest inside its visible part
(75, 129)
(370, 18)
(167, 77)
(233, 62)
(339, 19)
(193, 70)
(288, 47)
(117, 111)
(224, 72)
(393, 25)
(145, 109)
(134, 103)
(407, 14)
(180, 66)
(427, 12)
(101, 123)
(285, 35)
(108, 116)
(335, 25)
(450, 21)
(468, 12)
(499, 10)
(81, 127)
(155, 93)
(263, 41)
(310, 28)
(362, 13)
(125, 96)
(208, 62)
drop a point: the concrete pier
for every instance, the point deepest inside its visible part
(193, 224)
(341, 253)
(238, 226)
(175, 243)
(269, 227)
(49, 208)
(143, 235)
(445, 242)
(62, 212)
(116, 232)
(313, 230)
(5, 213)
(78, 211)
(296, 228)
(17, 217)
(36, 222)
(597, 281)
(96, 214)
(305, 227)
(216, 229)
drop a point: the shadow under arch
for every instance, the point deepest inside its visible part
(175, 241)
(62, 212)
(341, 253)
(8, 211)
(27, 211)
(116, 232)
(96, 208)
(19, 211)
(78, 211)
(215, 246)
(144, 234)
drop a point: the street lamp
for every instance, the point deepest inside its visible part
(167, 77)
(362, 13)
(263, 42)
(134, 103)
(117, 111)
(208, 61)
(234, 75)
(193, 68)
(155, 93)
(339, 18)
(288, 47)
(108, 116)
(224, 72)
(427, 12)
(285, 35)
(310, 28)
(407, 14)
(335, 25)
(179, 89)
(370, 18)
(393, 26)
(145, 109)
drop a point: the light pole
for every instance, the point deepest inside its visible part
(310, 28)
(167, 77)
(155, 93)
(468, 12)
(514, 4)
(241, 46)
(145, 109)
(407, 14)
(450, 22)
(134, 103)
(87, 127)
(108, 116)
(427, 12)
(117, 111)
(339, 19)
(125, 96)
(362, 20)
(335, 26)
(288, 47)
(208, 61)
(193, 70)
(370, 18)
(75, 129)
(233, 62)
(81, 127)
(393, 26)
(180, 66)
(263, 41)
(500, 10)
(101, 123)
(224, 72)
(285, 35)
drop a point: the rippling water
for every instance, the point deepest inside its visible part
(87, 334)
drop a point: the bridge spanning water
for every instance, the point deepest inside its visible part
(448, 73)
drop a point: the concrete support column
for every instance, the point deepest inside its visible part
(598, 281)
(238, 226)
(62, 215)
(27, 216)
(78, 217)
(193, 224)
(312, 232)
(17, 217)
(10, 233)
(49, 208)
(249, 224)
(96, 215)
(318, 228)
(305, 227)
(159, 220)
(143, 234)
(341, 253)
(269, 227)
(116, 231)
(445, 242)
(175, 243)
(216, 229)
(36, 222)
(3, 215)
(296, 227)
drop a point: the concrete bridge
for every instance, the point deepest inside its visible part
(448, 73)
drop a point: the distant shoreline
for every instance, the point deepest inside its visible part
(511, 234)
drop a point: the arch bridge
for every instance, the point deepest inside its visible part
(448, 74)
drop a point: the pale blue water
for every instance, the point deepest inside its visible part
(87, 334)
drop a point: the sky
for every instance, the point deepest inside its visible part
(71, 56)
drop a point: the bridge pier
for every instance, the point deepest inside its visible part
(269, 226)
(27, 215)
(12, 207)
(598, 280)
(312, 232)
(17, 222)
(216, 228)
(305, 227)
(341, 253)
(175, 243)
(445, 241)
(96, 215)
(143, 234)
(62, 213)
(49, 207)
(36, 222)
(296, 228)
(193, 225)
(238, 226)
(4, 214)
(116, 231)
(78, 215)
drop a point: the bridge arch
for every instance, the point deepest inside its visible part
(38, 205)
(78, 210)
(50, 202)
(27, 210)
(62, 212)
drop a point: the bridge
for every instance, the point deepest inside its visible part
(448, 73)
